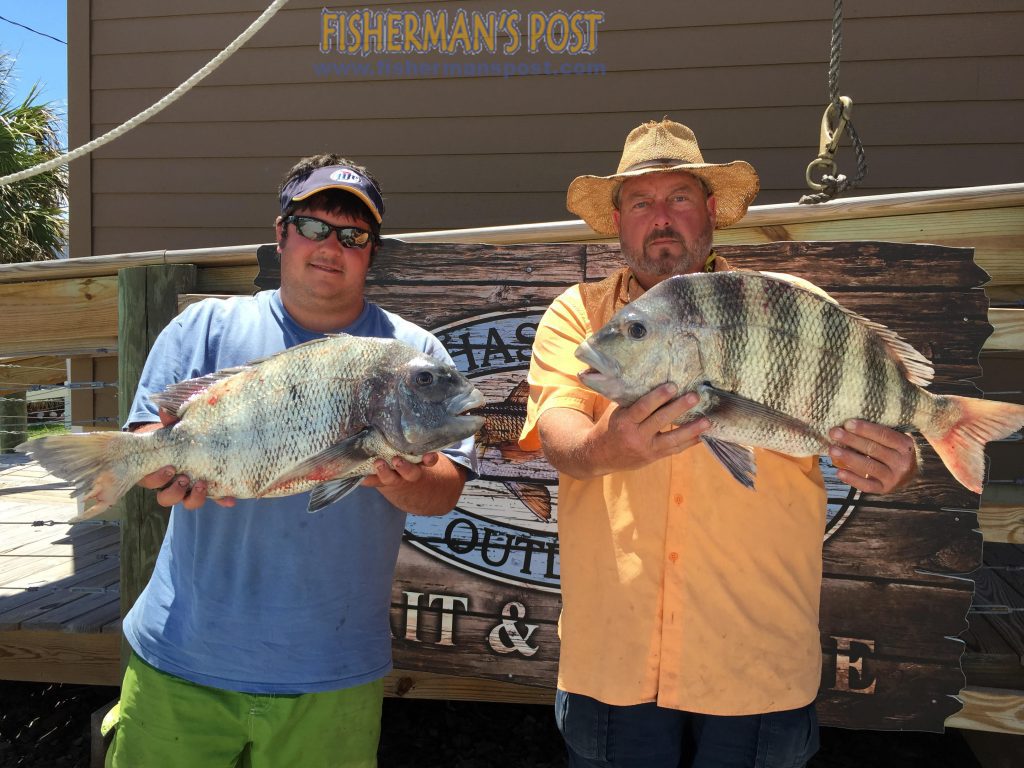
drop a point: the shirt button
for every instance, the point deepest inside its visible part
(673, 556)
(678, 498)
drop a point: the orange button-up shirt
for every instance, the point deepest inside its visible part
(679, 585)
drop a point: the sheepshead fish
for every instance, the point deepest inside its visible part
(777, 363)
(311, 418)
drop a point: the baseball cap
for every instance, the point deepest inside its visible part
(334, 177)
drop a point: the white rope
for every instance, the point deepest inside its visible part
(165, 102)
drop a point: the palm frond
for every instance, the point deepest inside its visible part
(33, 226)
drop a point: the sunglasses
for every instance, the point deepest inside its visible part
(316, 230)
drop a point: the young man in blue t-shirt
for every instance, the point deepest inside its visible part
(262, 638)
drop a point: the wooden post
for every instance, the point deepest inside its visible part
(13, 421)
(147, 301)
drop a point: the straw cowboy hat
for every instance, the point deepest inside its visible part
(660, 148)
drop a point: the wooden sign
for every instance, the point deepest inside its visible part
(476, 592)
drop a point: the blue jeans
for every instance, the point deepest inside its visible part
(648, 736)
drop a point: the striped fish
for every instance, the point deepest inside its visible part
(313, 418)
(778, 363)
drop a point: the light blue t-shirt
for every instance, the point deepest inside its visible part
(265, 597)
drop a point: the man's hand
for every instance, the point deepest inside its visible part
(642, 433)
(431, 487)
(623, 438)
(400, 471)
(172, 488)
(873, 458)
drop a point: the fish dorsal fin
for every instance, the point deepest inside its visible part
(177, 397)
(311, 343)
(917, 368)
(330, 464)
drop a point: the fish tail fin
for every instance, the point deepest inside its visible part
(962, 446)
(90, 461)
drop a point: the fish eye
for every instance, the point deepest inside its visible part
(424, 378)
(636, 330)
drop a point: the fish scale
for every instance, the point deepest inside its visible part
(835, 334)
(312, 418)
(778, 363)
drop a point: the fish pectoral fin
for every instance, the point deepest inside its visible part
(728, 406)
(333, 462)
(331, 491)
(738, 459)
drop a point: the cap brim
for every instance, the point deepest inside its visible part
(735, 185)
(351, 190)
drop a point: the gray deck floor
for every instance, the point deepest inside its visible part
(54, 575)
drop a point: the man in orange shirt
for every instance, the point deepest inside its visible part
(689, 628)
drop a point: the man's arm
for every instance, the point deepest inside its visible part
(430, 488)
(622, 438)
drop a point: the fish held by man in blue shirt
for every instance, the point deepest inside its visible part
(777, 363)
(312, 418)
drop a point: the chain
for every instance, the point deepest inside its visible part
(837, 118)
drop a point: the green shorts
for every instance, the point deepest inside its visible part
(172, 723)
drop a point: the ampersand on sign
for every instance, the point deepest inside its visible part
(512, 612)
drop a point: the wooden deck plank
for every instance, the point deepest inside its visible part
(16, 536)
(23, 539)
(34, 603)
(35, 571)
(26, 512)
(55, 578)
(85, 614)
(76, 540)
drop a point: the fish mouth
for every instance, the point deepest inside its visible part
(460, 404)
(600, 362)
(604, 374)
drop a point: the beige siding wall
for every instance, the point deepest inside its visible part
(938, 87)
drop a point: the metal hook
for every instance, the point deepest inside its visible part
(829, 141)
(828, 168)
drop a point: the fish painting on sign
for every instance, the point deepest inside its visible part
(514, 497)
(777, 363)
(501, 458)
(311, 418)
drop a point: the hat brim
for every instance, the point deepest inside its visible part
(735, 185)
(345, 188)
